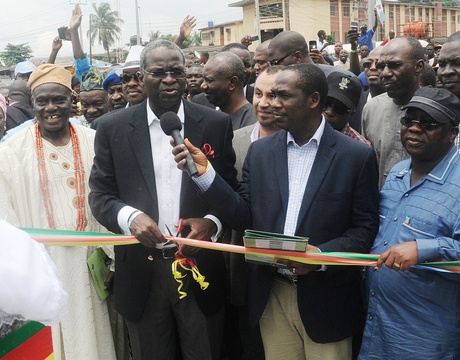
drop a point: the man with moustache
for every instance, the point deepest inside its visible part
(133, 90)
(114, 87)
(136, 189)
(400, 64)
(223, 87)
(194, 78)
(289, 181)
(372, 75)
(412, 311)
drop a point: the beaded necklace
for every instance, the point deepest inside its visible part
(79, 179)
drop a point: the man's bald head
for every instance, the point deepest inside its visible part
(288, 43)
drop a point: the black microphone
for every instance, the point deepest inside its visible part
(171, 125)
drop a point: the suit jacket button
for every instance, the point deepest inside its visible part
(150, 257)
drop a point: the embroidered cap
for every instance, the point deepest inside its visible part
(93, 80)
(440, 104)
(345, 88)
(50, 73)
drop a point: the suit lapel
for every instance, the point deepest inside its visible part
(321, 165)
(279, 153)
(194, 131)
(139, 137)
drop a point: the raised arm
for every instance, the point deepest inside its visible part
(185, 29)
(56, 46)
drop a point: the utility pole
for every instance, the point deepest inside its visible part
(90, 47)
(137, 25)
(256, 2)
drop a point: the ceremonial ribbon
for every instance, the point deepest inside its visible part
(188, 264)
(78, 238)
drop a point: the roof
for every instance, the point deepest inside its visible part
(241, 3)
(223, 24)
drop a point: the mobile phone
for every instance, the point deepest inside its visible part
(61, 32)
(312, 45)
(354, 25)
(254, 38)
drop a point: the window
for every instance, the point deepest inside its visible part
(458, 19)
(229, 34)
(412, 15)
(452, 18)
(332, 10)
(390, 14)
(346, 11)
(206, 36)
(273, 10)
(420, 12)
(427, 14)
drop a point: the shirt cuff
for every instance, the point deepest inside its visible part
(204, 181)
(323, 267)
(218, 224)
(427, 249)
(123, 217)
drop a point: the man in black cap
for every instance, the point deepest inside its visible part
(343, 96)
(413, 312)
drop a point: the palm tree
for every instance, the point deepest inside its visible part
(103, 25)
(154, 35)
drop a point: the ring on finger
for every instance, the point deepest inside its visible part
(397, 265)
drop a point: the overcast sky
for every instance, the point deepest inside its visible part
(36, 22)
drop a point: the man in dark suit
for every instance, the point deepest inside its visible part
(136, 188)
(305, 180)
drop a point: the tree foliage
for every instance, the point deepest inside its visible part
(193, 40)
(103, 26)
(14, 54)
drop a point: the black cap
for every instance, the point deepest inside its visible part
(442, 105)
(345, 88)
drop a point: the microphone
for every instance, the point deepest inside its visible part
(171, 125)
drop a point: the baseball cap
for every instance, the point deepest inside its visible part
(345, 88)
(24, 67)
(442, 105)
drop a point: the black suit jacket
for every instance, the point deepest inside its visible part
(123, 174)
(339, 212)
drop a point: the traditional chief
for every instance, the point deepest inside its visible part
(43, 176)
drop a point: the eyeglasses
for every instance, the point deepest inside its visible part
(338, 109)
(392, 65)
(126, 78)
(424, 125)
(277, 62)
(176, 74)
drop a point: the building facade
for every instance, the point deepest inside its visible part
(222, 34)
(335, 16)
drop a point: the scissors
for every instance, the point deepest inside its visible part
(179, 230)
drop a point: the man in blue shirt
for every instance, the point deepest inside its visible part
(413, 311)
(366, 36)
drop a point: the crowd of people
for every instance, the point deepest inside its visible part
(357, 151)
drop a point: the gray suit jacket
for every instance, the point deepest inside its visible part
(241, 142)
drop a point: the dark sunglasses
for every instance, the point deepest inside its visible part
(368, 64)
(338, 109)
(276, 62)
(126, 78)
(424, 125)
(392, 65)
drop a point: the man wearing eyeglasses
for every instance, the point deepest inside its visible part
(137, 189)
(400, 64)
(413, 311)
(343, 96)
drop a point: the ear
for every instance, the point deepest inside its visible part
(314, 100)
(298, 57)
(419, 65)
(233, 83)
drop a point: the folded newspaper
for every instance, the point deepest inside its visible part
(267, 240)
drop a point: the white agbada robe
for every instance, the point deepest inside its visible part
(85, 331)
